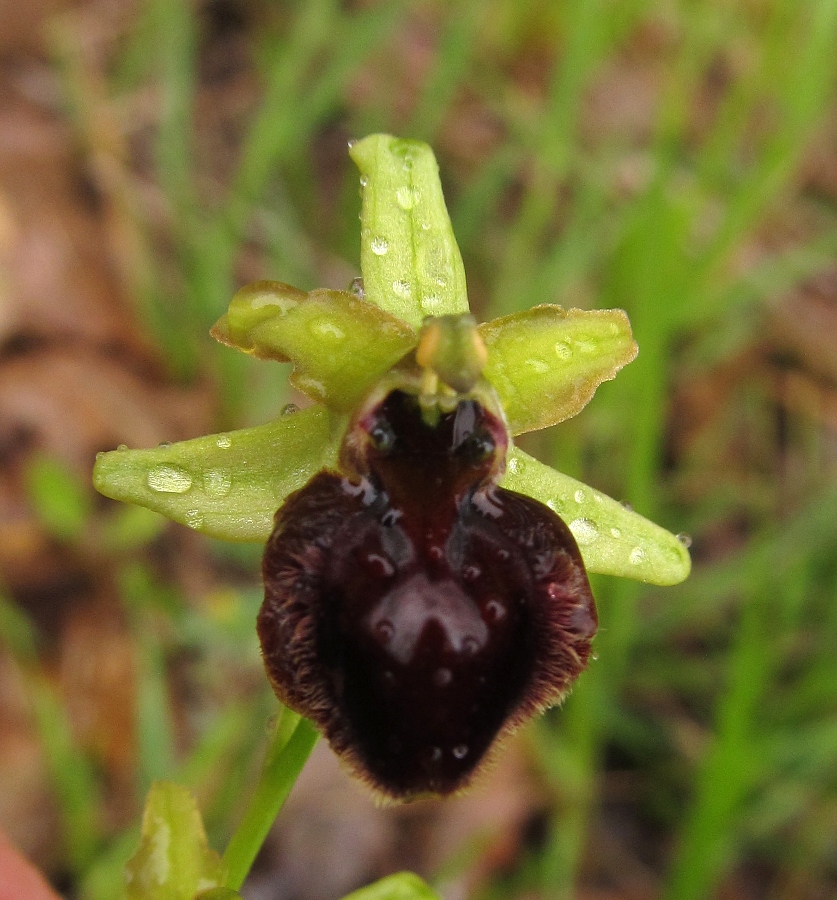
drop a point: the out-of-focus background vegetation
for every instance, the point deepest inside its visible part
(677, 158)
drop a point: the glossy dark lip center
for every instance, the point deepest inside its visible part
(414, 609)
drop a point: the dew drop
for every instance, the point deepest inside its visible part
(431, 304)
(552, 505)
(363, 179)
(356, 287)
(163, 445)
(288, 409)
(122, 447)
(169, 480)
(638, 556)
(537, 365)
(384, 631)
(223, 442)
(626, 504)
(425, 226)
(194, 519)
(516, 466)
(217, 483)
(471, 573)
(460, 751)
(685, 539)
(329, 329)
(379, 246)
(401, 288)
(616, 532)
(378, 565)
(563, 350)
(470, 645)
(100, 454)
(406, 197)
(441, 677)
(436, 553)
(494, 610)
(584, 531)
(440, 282)
(579, 496)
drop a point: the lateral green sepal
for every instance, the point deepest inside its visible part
(546, 363)
(613, 539)
(227, 486)
(339, 343)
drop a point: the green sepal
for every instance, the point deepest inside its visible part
(408, 255)
(227, 486)
(173, 860)
(546, 363)
(613, 539)
(401, 886)
(339, 343)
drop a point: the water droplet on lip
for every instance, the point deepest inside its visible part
(223, 442)
(460, 751)
(363, 179)
(471, 573)
(379, 246)
(169, 480)
(562, 349)
(616, 532)
(638, 556)
(685, 539)
(494, 610)
(384, 631)
(584, 530)
(579, 496)
(515, 465)
(163, 445)
(470, 645)
(122, 447)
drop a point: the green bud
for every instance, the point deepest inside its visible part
(173, 860)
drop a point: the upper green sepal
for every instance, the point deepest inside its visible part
(339, 343)
(408, 255)
(546, 363)
(228, 486)
(173, 860)
(612, 538)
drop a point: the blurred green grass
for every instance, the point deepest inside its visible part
(716, 699)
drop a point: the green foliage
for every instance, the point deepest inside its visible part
(173, 860)
(402, 886)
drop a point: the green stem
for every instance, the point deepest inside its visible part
(291, 743)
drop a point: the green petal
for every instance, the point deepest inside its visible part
(547, 362)
(230, 485)
(173, 860)
(613, 540)
(408, 255)
(339, 344)
(402, 886)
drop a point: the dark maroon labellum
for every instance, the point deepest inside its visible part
(416, 611)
